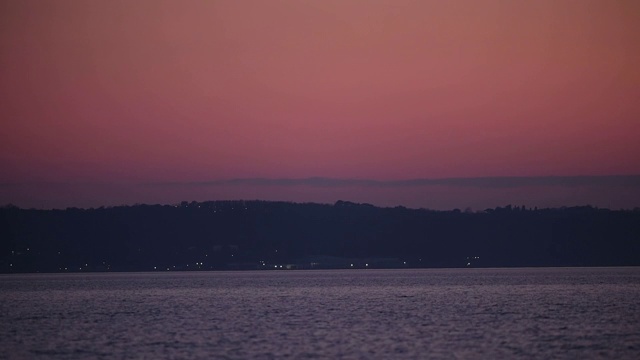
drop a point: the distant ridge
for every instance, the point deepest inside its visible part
(256, 235)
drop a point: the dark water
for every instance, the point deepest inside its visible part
(357, 314)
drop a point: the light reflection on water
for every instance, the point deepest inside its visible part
(445, 313)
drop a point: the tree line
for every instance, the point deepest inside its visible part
(221, 235)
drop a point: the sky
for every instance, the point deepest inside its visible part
(107, 102)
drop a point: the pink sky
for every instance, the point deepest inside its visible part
(107, 93)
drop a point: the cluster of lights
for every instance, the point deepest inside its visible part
(471, 258)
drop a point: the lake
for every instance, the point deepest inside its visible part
(562, 313)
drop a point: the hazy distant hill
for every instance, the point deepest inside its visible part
(279, 235)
